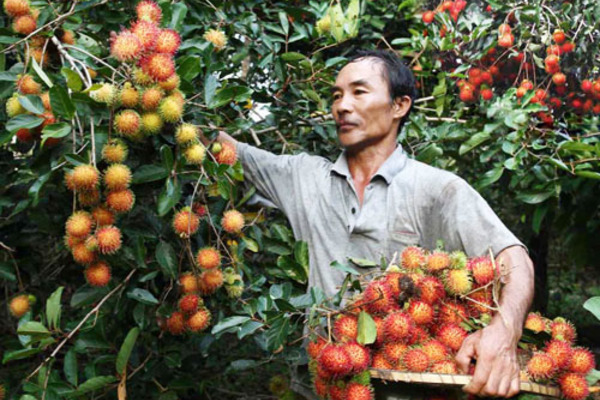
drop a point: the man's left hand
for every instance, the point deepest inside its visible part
(497, 369)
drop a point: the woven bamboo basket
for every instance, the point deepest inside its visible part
(453, 380)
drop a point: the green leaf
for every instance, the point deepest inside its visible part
(143, 296)
(59, 130)
(361, 262)
(19, 354)
(284, 22)
(210, 86)
(367, 329)
(535, 197)
(54, 308)
(149, 173)
(125, 351)
(248, 328)
(277, 334)
(588, 174)
(229, 94)
(61, 103)
(592, 377)
(40, 72)
(23, 121)
(473, 142)
(178, 13)
(344, 268)
(34, 190)
(189, 68)
(73, 79)
(75, 159)
(169, 196)
(251, 244)
(352, 18)
(7, 272)
(166, 155)
(165, 255)
(33, 328)
(70, 366)
(228, 323)
(95, 383)
(32, 104)
(337, 21)
(490, 177)
(593, 305)
(292, 56)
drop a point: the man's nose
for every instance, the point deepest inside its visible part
(344, 104)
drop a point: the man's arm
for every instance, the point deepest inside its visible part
(495, 346)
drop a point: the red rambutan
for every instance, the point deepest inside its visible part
(16, 8)
(148, 11)
(452, 312)
(25, 24)
(188, 282)
(208, 258)
(435, 350)
(582, 361)
(227, 155)
(437, 261)
(102, 216)
(452, 336)
(335, 360)
(356, 391)
(432, 289)
(444, 367)
(345, 328)
(199, 321)
(168, 41)
(189, 303)
(535, 322)
(573, 386)
(125, 46)
(421, 312)
(209, 281)
(176, 323)
(561, 329)
(82, 255)
(541, 366)
(378, 297)
(159, 66)
(393, 351)
(398, 326)
(560, 352)
(380, 362)
(360, 357)
(146, 32)
(482, 270)
(109, 239)
(98, 274)
(415, 360)
(315, 346)
(185, 222)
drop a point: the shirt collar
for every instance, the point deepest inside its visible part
(388, 170)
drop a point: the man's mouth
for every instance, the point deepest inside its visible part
(343, 125)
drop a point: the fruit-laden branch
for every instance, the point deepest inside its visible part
(74, 331)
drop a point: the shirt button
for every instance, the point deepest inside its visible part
(369, 187)
(353, 210)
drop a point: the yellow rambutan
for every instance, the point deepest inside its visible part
(159, 66)
(171, 109)
(151, 98)
(88, 198)
(141, 78)
(458, 281)
(444, 367)
(82, 255)
(109, 239)
(114, 151)
(14, 107)
(146, 32)
(19, 305)
(435, 350)
(199, 321)
(148, 11)
(208, 258)
(102, 216)
(16, 8)
(168, 41)
(185, 222)
(128, 123)
(117, 177)
(186, 133)
(125, 46)
(85, 177)
(120, 201)
(227, 155)
(232, 221)
(27, 85)
(79, 224)
(24, 24)
(195, 154)
(129, 96)
(98, 274)
(421, 312)
(209, 281)
(535, 322)
(437, 261)
(107, 94)
(412, 257)
(152, 123)
(217, 38)
(171, 83)
(91, 243)
(188, 282)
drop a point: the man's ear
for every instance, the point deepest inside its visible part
(401, 106)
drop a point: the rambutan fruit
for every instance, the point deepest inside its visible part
(107, 94)
(451, 335)
(114, 151)
(82, 255)
(24, 24)
(560, 351)
(535, 322)
(394, 351)
(189, 303)
(199, 321)
(88, 198)
(67, 37)
(437, 261)
(102, 216)
(24, 135)
(582, 361)
(336, 392)
(419, 336)
(209, 281)
(435, 350)
(14, 107)
(482, 270)
(412, 257)
(452, 312)
(208, 258)
(152, 123)
(39, 55)
(141, 78)
(378, 297)
(321, 387)
(148, 11)
(120, 201)
(356, 391)
(541, 366)
(432, 289)
(91, 243)
(234, 291)
(45, 97)
(27, 85)
(380, 362)
(444, 367)
(176, 323)
(195, 154)
(314, 347)
(159, 66)
(232, 221)
(79, 224)
(109, 239)
(16, 8)
(573, 386)
(171, 109)
(458, 260)
(360, 356)
(393, 280)
(146, 32)
(98, 274)
(561, 329)
(227, 155)
(398, 326)
(117, 177)
(457, 281)
(345, 328)
(335, 360)
(421, 312)
(168, 41)
(71, 241)
(481, 301)
(217, 38)
(188, 282)
(129, 96)
(186, 133)
(170, 83)
(19, 305)
(415, 360)
(185, 222)
(151, 98)
(127, 123)
(125, 46)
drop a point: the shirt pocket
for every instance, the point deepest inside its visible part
(398, 240)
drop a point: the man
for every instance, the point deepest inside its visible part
(374, 201)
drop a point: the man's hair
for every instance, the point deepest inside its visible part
(401, 81)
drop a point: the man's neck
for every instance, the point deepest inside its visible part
(363, 164)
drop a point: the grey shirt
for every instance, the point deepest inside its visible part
(406, 203)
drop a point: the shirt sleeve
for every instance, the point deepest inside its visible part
(468, 222)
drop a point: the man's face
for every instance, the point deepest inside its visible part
(362, 109)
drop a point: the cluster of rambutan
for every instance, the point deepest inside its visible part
(92, 233)
(24, 17)
(560, 360)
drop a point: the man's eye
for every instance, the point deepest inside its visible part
(359, 92)
(337, 96)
